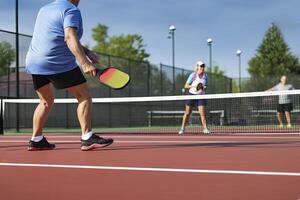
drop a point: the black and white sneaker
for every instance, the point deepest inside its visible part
(41, 145)
(95, 142)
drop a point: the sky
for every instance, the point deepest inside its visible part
(232, 24)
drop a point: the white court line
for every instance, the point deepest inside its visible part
(128, 141)
(146, 169)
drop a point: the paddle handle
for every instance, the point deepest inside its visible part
(99, 71)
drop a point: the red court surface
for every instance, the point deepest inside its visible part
(153, 167)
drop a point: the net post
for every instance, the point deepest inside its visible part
(17, 62)
(1, 117)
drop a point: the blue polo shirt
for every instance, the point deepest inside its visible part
(48, 52)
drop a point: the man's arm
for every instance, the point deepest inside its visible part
(76, 48)
(273, 88)
(91, 55)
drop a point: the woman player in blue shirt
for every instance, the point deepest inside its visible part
(196, 84)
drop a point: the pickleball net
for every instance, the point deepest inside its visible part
(232, 113)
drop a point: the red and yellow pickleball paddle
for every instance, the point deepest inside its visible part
(113, 78)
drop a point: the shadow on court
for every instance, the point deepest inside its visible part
(270, 144)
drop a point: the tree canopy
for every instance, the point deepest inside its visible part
(127, 46)
(7, 56)
(273, 56)
(215, 70)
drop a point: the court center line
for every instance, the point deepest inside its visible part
(146, 169)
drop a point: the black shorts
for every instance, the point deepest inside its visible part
(195, 102)
(288, 107)
(60, 81)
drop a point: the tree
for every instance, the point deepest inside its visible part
(217, 81)
(7, 56)
(215, 71)
(126, 46)
(273, 57)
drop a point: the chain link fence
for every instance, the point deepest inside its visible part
(146, 79)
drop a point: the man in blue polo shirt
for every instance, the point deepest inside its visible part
(51, 60)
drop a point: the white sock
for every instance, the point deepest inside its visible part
(87, 135)
(37, 138)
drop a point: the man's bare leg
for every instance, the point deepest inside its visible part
(84, 109)
(288, 119)
(278, 114)
(40, 116)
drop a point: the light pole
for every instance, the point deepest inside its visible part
(209, 43)
(239, 53)
(172, 33)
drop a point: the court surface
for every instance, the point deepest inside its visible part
(154, 167)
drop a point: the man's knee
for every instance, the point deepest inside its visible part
(47, 103)
(81, 92)
(84, 97)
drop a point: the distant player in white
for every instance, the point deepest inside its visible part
(285, 103)
(196, 77)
